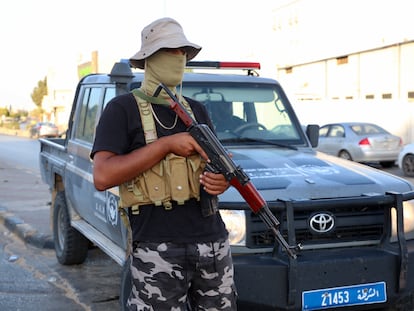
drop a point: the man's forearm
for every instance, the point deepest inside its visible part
(111, 169)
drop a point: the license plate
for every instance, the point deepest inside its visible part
(344, 296)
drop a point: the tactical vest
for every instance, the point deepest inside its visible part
(174, 178)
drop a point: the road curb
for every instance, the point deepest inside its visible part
(25, 231)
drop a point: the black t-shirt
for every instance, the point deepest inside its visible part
(120, 131)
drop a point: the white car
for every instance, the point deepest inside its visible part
(360, 142)
(406, 160)
(44, 129)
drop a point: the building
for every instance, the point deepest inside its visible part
(385, 73)
(348, 61)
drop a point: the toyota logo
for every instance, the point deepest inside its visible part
(322, 222)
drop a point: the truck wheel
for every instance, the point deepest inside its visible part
(126, 285)
(71, 246)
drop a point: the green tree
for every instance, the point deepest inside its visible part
(4, 112)
(39, 91)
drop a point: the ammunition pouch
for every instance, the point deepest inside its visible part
(175, 178)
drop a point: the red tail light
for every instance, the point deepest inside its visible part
(364, 142)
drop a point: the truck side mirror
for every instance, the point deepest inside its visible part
(121, 73)
(312, 131)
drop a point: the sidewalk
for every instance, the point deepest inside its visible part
(25, 205)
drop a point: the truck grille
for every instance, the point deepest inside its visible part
(353, 224)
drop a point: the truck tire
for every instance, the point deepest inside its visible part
(126, 285)
(71, 247)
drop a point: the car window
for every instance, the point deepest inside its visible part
(374, 129)
(366, 129)
(110, 93)
(357, 129)
(336, 131)
(245, 110)
(86, 124)
(323, 131)
(48, 124)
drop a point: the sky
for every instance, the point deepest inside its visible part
(43, 36)
(38, 35)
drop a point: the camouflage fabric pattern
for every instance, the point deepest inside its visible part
(178, 277)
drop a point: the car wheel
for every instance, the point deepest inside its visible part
(408, 165)
(71, 246)
(345, 155)
(126, 285)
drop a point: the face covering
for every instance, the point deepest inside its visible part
(163, 67)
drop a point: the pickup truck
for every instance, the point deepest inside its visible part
(355, 224)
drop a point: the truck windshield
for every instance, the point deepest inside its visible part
(239, 111)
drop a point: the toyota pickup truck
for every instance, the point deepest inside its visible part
(354, 223)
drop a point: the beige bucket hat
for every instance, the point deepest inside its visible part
(162, 33)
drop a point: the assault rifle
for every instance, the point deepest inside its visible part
(221, 162)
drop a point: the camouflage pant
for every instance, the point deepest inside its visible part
(178, 277)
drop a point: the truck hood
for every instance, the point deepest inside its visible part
(299, 175)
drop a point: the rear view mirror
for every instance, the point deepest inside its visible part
(312, 131)
(211, 97)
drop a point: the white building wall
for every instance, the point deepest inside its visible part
(384, 73)
(379, 71)
(407, 72)
(371, 86)
(377, 38)
(342, 79)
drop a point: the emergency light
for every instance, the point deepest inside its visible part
(223, 65)
(249, 66)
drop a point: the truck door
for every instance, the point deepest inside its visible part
(98, 208)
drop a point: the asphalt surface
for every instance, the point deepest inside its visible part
(25, 205)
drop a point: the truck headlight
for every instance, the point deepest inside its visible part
(236, 225)
(408, 221)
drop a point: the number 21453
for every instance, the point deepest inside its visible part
(335, 298)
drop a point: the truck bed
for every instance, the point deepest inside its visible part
(53, 156)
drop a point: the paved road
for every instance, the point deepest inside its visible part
(28, 278)
(25, 199)
(29, 272)
(24, 208)
(32, 279)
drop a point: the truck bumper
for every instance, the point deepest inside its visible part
(273, 283)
